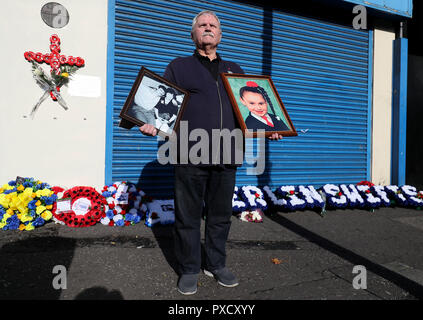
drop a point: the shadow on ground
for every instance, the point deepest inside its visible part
(99, 293)
(26, 268)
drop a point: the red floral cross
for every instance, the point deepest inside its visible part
(54, 59)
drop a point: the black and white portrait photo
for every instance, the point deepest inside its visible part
(154, 101)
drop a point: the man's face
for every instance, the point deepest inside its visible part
(255, 102)
(206, 31)
(169, 97)
(160, 91)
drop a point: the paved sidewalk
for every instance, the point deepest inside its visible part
(314, 258)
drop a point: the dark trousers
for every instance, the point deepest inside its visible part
(198, 190)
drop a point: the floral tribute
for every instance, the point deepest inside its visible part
(363, 195)
(25, 203)
(252, 216)
(238, 205)
(253, 197)
(62, 68)
(86, 207)
(124, 205)
(160, 212)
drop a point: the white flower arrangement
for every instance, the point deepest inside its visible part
(252, 216)
(363, 195)
(278, 203)
(121, 210)
(353, 196)
(291, 198)
(394, 192)
(382, 195)
(312, 198)
(334, 196)
(292, 201)
(253, 196)
(370, 200)
(160, 212)
(415, 198)
(237, 204)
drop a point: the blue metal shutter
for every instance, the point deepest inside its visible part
(320, 69)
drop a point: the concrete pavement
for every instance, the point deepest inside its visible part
(290, 256)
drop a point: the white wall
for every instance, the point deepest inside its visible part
(64, 148)
(382, 106)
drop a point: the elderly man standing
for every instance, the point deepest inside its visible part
(205, 187)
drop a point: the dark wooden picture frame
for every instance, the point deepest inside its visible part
(260, 106)
(154, 100)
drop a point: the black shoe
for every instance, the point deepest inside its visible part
(223, 276)
(187, 284)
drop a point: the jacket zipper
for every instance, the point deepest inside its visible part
(221, 118)
(221, 106)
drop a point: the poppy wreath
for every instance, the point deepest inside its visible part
(91, 217)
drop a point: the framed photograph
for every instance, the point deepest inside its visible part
(153, 100)
(257, 104)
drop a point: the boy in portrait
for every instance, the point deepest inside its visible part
(255, 98)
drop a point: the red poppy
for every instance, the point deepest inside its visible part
(54, 39)
(39, 57)
(47, 58)
(79, 62)
(63, 59)
(54, 48)
(71, 61)
(54, 63)
(29, 55)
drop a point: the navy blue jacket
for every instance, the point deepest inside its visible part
(208, 106)
(255, 124)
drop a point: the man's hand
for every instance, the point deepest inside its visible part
(275, 136)
(148, 130)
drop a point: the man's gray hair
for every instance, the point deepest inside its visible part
(194, 21)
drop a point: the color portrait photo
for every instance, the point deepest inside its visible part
(257, 103)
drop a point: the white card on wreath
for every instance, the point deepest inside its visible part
(81, 206)
(122, 196)
(63, 205)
